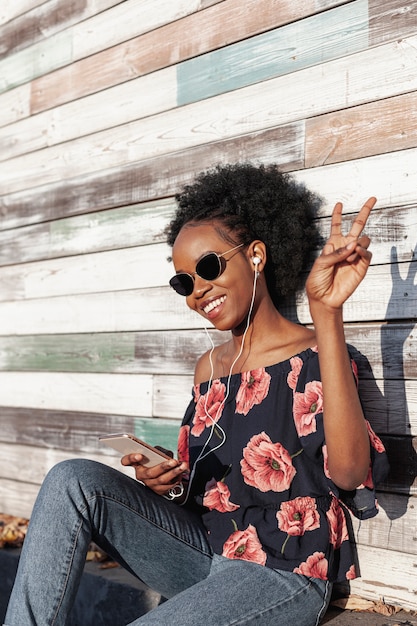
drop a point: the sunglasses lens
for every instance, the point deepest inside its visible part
(183, 284)
(209, 267)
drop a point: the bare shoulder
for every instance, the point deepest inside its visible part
(203, 368)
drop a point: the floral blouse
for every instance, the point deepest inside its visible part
(259, 476)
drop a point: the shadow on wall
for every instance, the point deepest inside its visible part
(393, 401)
(400, 449)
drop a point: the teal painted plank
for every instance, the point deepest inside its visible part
(99, 352)
(158, 432)
(308, 42)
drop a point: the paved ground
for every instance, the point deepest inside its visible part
(338, 617)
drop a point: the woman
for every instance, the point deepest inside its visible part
(252, 526)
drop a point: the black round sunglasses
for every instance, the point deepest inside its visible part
(209, 267)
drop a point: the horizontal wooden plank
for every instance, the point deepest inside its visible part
(88, 273)
(150, 309)
(193, 35)
(130, 394)
(80, 430)
(372, 128)
(386, 176)
(14, 105)
(128, 19)
(136, 99)
(17, 498)
(140, 182)
(10, 9)
(41, 460)
(46, 20)
(374, 74)
(384, 351)
(391, 19)
(171, 395)
(124, 227)
(387, 575)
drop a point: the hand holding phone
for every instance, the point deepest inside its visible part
(126, 443)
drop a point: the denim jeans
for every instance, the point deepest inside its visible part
(160, 542)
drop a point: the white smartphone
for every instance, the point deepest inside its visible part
(128, 444)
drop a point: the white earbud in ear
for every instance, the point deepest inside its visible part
(256, 260)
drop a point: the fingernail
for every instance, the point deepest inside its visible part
(352, 245)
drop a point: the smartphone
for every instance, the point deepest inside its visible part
(128, 444)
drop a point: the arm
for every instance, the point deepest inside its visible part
(334, 277)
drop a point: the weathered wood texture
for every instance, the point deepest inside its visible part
(106, 110)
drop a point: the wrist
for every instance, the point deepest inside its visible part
(323, 313)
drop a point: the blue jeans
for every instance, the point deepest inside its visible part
(160, 542)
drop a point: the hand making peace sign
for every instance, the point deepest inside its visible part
(344, 261)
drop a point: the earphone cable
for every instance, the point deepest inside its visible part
(203, 454)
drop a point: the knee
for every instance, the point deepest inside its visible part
(72, 472)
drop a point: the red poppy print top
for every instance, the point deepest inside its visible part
(259, 473)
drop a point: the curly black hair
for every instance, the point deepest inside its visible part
(247, 202)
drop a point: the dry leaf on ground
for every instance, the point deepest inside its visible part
(356, 603)
(12, 530)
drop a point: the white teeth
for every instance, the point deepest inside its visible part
(212, 305)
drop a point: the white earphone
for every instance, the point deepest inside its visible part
(256, 260)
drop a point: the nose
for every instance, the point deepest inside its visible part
(201, 286)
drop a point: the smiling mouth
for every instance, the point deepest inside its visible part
(213, 304)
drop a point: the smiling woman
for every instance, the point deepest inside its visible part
(273, 450)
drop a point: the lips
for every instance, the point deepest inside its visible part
(213, 304)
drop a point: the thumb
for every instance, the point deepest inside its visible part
(328, 248)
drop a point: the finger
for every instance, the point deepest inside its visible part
(364, 241)
(361, 252)
(166, 472)
(339, 256)
(360, 220)
(328, 248)
(336, 224)
(132, 459)
(164, 481)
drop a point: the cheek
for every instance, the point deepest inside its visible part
(191, 304)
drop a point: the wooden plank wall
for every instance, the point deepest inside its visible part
(107, 108)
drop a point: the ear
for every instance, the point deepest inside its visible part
(257, 255)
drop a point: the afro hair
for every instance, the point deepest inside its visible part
(247, 202)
